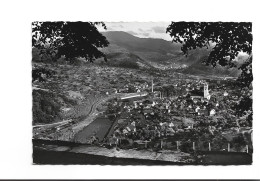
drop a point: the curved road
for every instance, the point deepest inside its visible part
(92, 110)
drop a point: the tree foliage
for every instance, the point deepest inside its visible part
(69, 39)
(46, 108)
(246, 77)
(41, 73)
(228, 38)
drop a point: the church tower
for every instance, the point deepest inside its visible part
(206, 91)
(152, 85)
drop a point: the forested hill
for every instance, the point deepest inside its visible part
(125, 48)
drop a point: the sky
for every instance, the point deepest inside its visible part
(141, 29)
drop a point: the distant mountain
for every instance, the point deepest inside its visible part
(148, 52)
(125, 48)
(136, 44)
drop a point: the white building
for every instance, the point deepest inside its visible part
(212, 112)
(206, 91)
(225, 93)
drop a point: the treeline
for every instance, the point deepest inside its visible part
(47, 106)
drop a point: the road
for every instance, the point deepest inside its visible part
(92, 113)
(65, 130)
(92, 110)
(51, 124)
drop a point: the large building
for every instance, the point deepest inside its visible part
(198, 94)
(206, 91)
(133, 95)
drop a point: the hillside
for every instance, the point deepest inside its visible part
(195, 66)
(148, 50)
(136, 44)
(125, 48)
(121, 57)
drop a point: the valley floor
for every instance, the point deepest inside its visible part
(83, 105)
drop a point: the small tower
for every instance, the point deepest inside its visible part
(206, 91)
(152, 85)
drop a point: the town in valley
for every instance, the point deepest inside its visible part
(168, 112)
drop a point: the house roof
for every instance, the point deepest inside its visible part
(196, 93)
(147, 111)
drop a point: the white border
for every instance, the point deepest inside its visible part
(15, 133)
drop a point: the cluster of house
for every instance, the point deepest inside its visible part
(154, 116)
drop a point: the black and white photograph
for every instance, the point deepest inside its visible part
(142, 93)
(130, 90)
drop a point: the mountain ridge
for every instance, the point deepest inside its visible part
(158, 53)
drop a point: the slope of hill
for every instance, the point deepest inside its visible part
(158, 53)
(195, 66)
(148, 51)
(121, 57)
(136, 44)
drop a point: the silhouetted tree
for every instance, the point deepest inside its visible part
(228, 39)
(41, 74)
(69, 39)
(246, 77)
